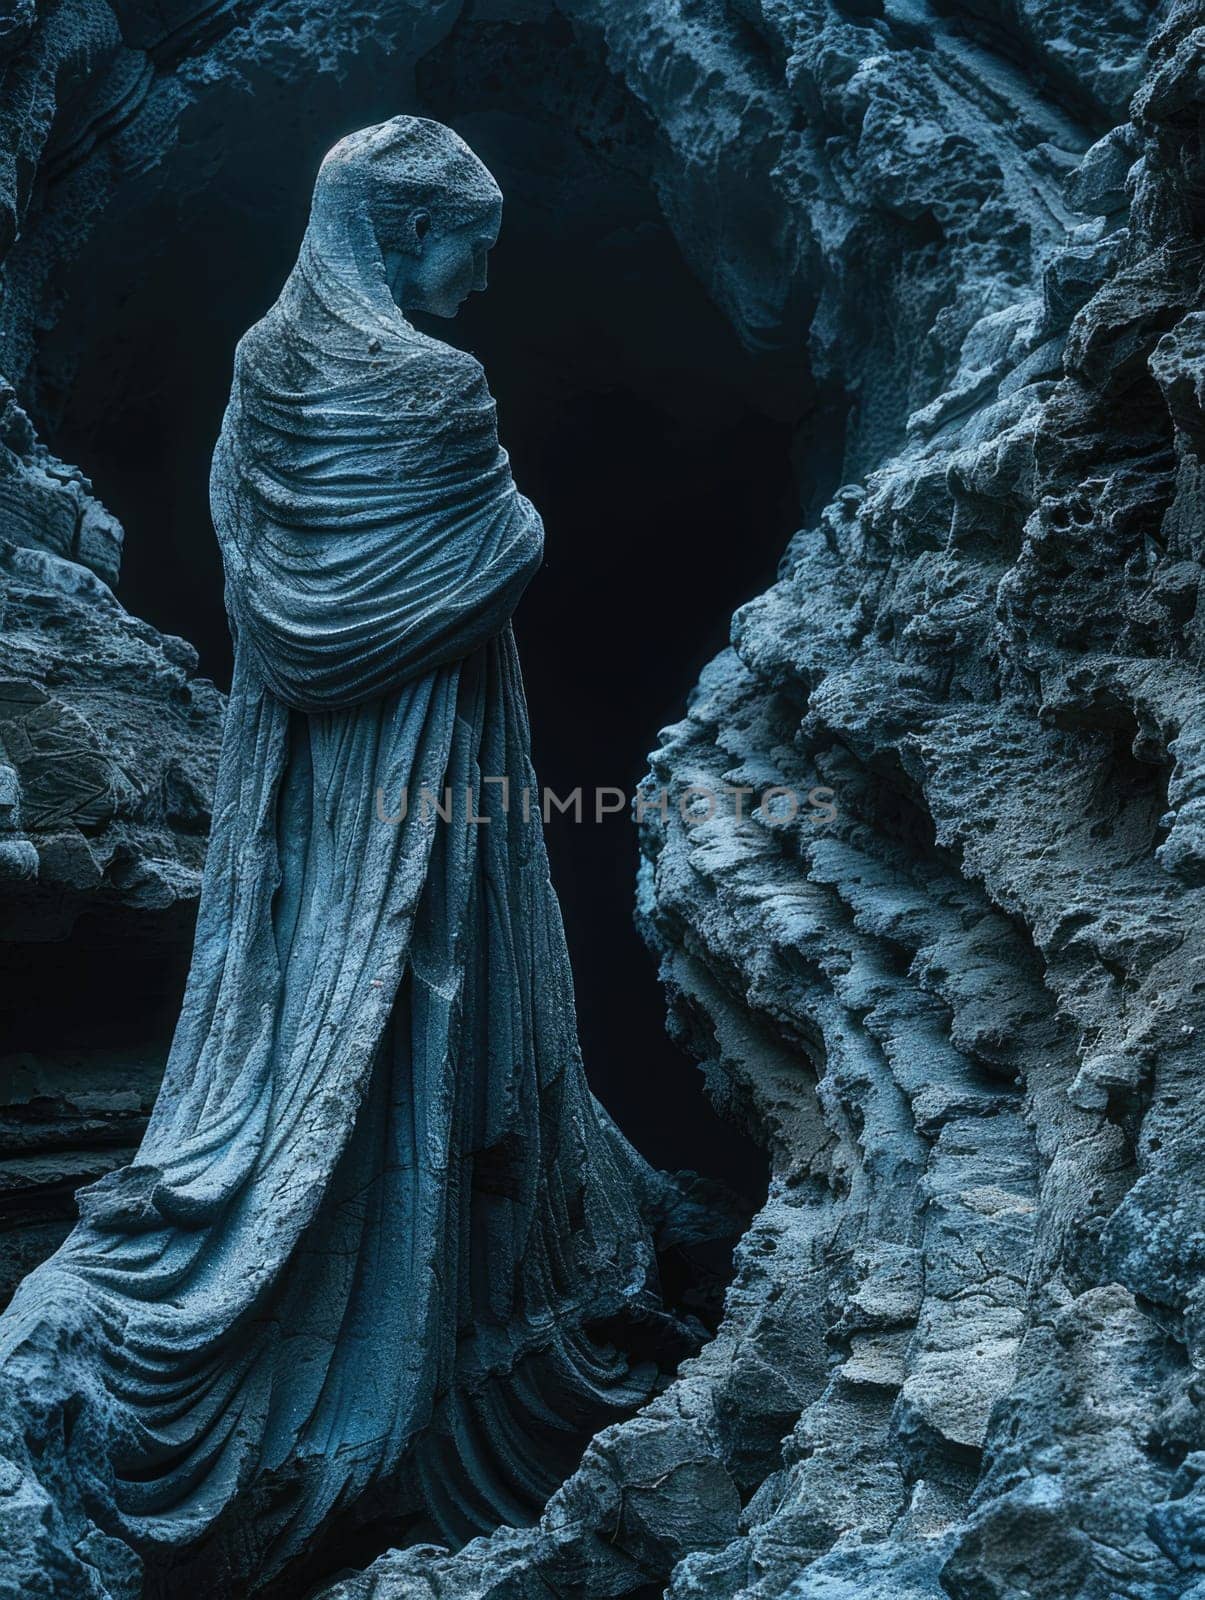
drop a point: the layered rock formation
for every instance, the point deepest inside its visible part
(107, 739)
(965, 1018)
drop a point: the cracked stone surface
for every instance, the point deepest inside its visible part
(960, 1351)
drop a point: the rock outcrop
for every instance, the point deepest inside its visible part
(107, 742)
(965, 1015)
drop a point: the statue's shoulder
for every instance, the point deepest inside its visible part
(397, 365)
(448, 360)
(440, 374)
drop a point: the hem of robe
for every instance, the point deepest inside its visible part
(518, 1407)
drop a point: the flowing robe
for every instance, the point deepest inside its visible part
(359, 1256)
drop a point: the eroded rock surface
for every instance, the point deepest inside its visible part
(107, 742)
(964, 1017)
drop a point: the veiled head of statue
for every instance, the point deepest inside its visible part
(432, 208)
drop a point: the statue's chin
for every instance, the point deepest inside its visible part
(433, 305)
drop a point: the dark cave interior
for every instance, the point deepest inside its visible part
(656, 448)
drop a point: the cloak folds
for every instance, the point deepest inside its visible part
(355, 1265)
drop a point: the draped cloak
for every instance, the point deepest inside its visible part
(377, 1216)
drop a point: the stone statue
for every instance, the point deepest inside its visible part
(353, 1270)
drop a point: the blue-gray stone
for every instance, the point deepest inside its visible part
(354, 1259)
(960, 1352)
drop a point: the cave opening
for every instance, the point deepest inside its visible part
(657, 449)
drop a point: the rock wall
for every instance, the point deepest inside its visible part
(965, 1016)
(989, 969)
(107, 745)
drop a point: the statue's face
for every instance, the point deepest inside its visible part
(442, 267)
